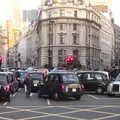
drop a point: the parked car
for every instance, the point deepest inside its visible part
(114, 87)
(59, 85)
(35, 78)
(96, 81)
(6, 87)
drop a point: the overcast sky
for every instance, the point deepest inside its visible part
(5, 10)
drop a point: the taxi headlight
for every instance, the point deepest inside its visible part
(66, 89)
(109, 86)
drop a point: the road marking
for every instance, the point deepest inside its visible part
(96, 98)
(31, 94)
(14, 94)
(106, 117)
(102, 112)
(9, 112)
(19, 109)
(5, 103)
(44, 107)
(3, 118)
(56, 115)
(48, 102)
(108, 98)
(31, 118)
(19, 89)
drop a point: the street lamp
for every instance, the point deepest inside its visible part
(50, 43)
(8, 43)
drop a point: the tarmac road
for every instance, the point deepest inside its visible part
(90, 107)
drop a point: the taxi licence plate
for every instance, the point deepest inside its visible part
(35, 82)
(73, 90)
(35, 85)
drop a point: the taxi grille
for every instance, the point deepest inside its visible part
(115, 88)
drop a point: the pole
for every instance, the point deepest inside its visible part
(49, 45)
(8, 43)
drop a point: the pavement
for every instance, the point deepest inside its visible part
(90, 107)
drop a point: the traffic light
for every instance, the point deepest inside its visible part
(0, 61)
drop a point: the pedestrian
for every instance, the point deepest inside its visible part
(27, 84)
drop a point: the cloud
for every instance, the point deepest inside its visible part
(115, 10)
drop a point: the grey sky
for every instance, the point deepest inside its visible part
(5, 10)
(115, 7)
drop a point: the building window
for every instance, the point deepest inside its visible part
(74, 39)
(50, 39)
(65, 52)
(60, 52)
(60, 56)
(62, 13)
(61, 26)
(75, 53)
(74, 27)
(61, 39)
(75, 13)
(60, 59)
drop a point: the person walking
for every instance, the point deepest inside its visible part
(27, 84)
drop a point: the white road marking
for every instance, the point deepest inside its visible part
(3, 118)
(96, 98)
(107, 98)
(5, 103)
(31, 94)
(14, 94)
(48, 102)
(25, 88)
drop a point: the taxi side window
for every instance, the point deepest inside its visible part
(49, 78)
(11, 78)
(83, 76)
(56, 79)
(8, 78)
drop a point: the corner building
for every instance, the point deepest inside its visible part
(72, 28)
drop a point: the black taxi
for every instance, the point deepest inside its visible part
(35, 78)
(59, 85)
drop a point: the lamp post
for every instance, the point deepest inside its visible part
(88, 34)
(8, 43)
(50, 43)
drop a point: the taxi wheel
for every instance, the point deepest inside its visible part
(110, 95)
(8, 98)
(99, 90)
(77, 97)
(39, 94)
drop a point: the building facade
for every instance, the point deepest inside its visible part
(117, 45)
(2, 45)
(29, 15)
(70, 28)
(27, 46)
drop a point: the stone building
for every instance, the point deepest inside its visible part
(72, 28)
(117, 45)
(27, 46)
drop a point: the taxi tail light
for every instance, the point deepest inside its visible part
(7, 88)
(82, 86)
(62, 87)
